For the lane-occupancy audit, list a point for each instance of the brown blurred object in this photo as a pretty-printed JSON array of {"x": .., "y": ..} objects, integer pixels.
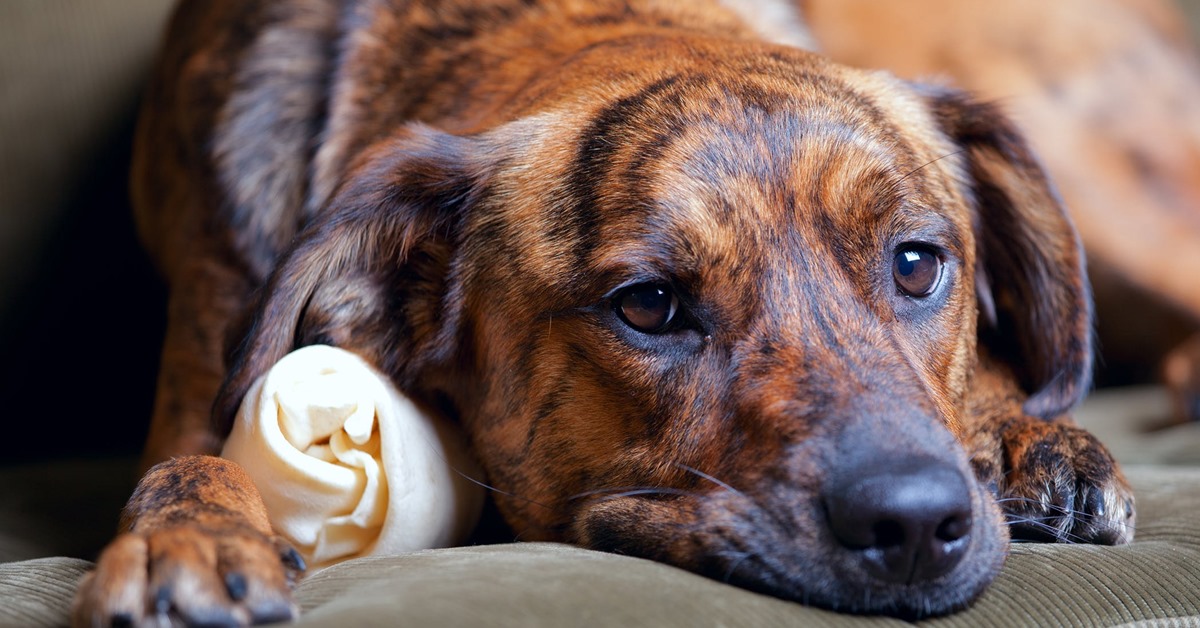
[
  {"x": 1181, "y": 371},
  {"x": 1109, "y": 93}
]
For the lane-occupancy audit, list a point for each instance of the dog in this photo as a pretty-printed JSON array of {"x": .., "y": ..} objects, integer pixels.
[{"x": 693, "y": 292}]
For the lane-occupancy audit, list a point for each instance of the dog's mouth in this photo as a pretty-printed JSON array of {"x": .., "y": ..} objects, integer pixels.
[{"x": 918, "y": 540}]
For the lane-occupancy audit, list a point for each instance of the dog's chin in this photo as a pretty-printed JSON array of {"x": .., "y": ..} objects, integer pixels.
[{"x": 758, "y": 550}]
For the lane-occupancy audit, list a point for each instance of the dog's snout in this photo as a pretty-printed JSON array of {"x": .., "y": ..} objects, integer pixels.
[{"x": 903, "y": 523}]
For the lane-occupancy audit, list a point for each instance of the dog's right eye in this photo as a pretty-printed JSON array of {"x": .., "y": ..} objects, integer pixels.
[
  {"x": 916, "y": 271},
  {"x": 648, "y": 307}
]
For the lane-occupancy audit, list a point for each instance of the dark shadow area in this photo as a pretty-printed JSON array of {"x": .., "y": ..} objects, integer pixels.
[
  {"x": 1134, "y": 330},
  {"x": 80, "y": 345}
]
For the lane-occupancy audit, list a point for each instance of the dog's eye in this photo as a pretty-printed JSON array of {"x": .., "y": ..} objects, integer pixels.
[
  {"x": 917, "y": 271},
  {"x": 648, "y": 307}
]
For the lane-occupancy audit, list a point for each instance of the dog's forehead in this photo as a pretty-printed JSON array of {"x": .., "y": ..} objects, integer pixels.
[
  {"x": 795, "y": 174},
  {"x": 694, "y": 170},
  {"x": 730, "y": 167}
]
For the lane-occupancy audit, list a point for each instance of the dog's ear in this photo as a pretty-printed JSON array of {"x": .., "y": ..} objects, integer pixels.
[
  {"x": 369, "y": 273},
  {"x": 1031, "y": 280}
]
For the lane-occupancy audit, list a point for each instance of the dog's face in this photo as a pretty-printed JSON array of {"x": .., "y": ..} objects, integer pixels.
[{"x": 724, "y": 316}]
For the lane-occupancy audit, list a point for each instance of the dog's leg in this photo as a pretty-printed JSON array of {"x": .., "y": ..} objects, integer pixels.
[
  {"x": 207, "y": 295},
  {"x": 197, "y": 546},
  {"x": 1053, "y": 479},
  {"x": 196, "y": 542}
]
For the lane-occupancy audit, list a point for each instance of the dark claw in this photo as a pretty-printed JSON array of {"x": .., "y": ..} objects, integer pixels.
[
  {"x": 272, "y": 612},
  {"x": 162, "y": 600},
  {"x": 293, "y": 560},
  {"x": 235, "y": 583},
  {"x": 211, "y": 618},
  {"x": 1093, "y": 503}
]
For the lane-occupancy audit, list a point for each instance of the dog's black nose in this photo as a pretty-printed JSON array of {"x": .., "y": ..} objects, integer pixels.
[{"x": 906, "y": 523}]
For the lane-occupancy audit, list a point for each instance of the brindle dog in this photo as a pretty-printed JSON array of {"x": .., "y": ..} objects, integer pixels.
[{"x": 693, "y": 294}]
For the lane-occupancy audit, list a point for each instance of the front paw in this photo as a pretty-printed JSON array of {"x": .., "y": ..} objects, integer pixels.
[
  {"x": 1062, "y": 485},
  {"x": 197, "y": 575}
]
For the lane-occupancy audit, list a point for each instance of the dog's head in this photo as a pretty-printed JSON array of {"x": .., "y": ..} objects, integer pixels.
[{"x": 723, "y": 312}]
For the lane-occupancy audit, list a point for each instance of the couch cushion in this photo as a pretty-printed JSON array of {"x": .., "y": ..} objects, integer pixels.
[
  {"x": 538, "y": 584},
  {"x": 551, "y": 585},
  {"x": 38, "y": 592}
]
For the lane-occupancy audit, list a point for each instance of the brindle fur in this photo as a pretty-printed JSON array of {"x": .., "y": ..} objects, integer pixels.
[{"x": 454, "y": 190}]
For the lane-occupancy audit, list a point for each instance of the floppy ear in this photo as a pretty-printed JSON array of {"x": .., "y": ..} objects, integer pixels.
[
  {"x": 1031, "y": 280},
  {"x": 369, "y": 273}
]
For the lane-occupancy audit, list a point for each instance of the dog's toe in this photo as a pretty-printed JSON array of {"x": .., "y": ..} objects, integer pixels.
[
  {"x": 258, "y": 578},
  {"x": 191, "y": 575},
  {"x": 1062, "y": 485},
  {"x": 114, "y": 593}
]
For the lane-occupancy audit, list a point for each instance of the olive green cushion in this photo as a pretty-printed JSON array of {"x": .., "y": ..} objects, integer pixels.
[
  {"x": 534, "y": 584},
  {"x": 552, "y": 585}
]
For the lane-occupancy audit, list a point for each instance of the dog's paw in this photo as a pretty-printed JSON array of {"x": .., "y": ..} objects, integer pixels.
[
  {"x": 190, "y": 574},
  {"x": 1062, "y": 485}
]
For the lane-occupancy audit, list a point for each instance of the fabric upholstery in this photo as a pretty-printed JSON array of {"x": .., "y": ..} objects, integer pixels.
[{"x": 1156, "y": 579}]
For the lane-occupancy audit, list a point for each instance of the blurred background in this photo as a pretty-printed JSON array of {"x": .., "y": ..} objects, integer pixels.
[{"x": 81, "y": 310}]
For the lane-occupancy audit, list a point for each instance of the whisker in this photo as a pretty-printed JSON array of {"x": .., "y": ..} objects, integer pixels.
[
  {"x": 895, "y": 186},
  {"x": 1062, "y": 510},
  {"x": 770, "y": 514},
  {"x": 931, "y": 162},
  {"x": 633, "y": 490},
  {"x": 502, "y": 492},
  {"x": 742, "y": 556},
  {"x": 646, "y": 491},
  {"x": 437, "y": 452},
  {"x": 1057, "y": 533},
  {"x": 1015, "y": 498},
  {"x": 710, "y": 478}
]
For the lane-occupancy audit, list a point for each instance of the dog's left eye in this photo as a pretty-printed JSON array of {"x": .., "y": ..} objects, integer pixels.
[
  {"x": 648, "y": 307},
  {"x": 916, "y": 271}
]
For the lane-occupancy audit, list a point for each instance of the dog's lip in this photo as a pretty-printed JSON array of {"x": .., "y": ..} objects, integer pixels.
[
  {"x": 937, "y": 596},
  {"x": 787, "y": 572}
]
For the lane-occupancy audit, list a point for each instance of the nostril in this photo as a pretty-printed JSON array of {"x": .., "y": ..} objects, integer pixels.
[{"x": 954, "y": 527}]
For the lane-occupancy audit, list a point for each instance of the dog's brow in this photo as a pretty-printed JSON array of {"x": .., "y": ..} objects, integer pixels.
[
  {"x": 930, "y": 163},
  {"x": 920, "y": 223}
]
